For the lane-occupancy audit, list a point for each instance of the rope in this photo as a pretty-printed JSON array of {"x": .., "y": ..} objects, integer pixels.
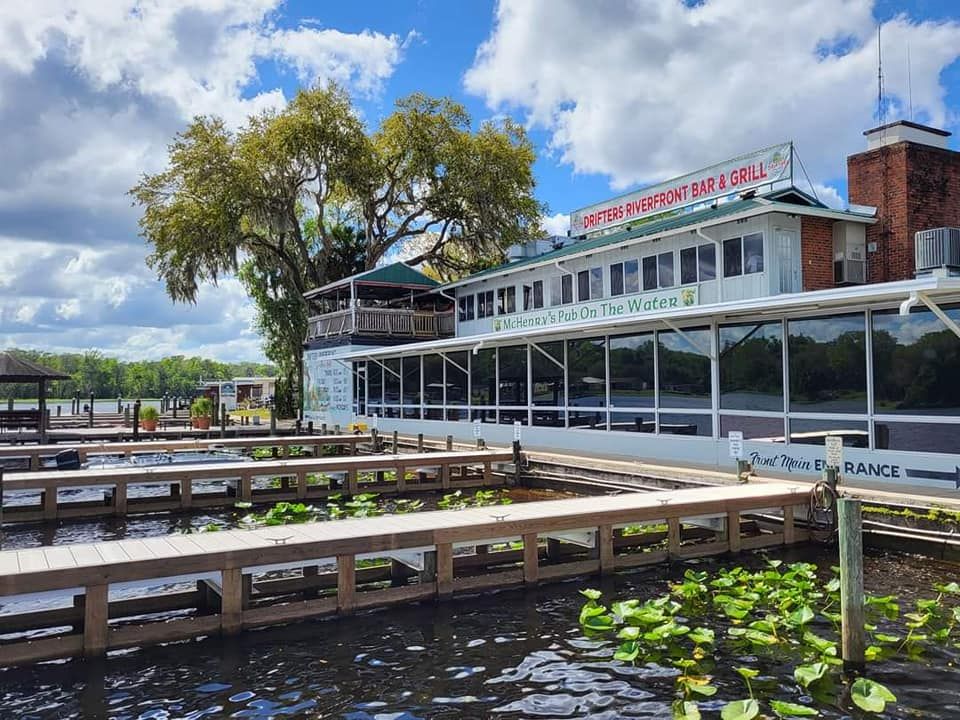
[{"x": 823, "y": 512}]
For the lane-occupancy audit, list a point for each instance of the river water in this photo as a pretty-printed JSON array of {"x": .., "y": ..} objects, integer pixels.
[{"x": 516, "y": 654}]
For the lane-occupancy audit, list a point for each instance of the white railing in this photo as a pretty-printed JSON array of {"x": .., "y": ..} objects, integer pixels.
[{"x": 382, "y": 321}]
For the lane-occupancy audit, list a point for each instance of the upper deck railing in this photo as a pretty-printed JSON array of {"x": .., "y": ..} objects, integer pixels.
[{"x": 388, "y": 322}]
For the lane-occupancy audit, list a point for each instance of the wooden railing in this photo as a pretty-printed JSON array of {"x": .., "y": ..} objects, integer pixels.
[{"x": 382, "y": 321}]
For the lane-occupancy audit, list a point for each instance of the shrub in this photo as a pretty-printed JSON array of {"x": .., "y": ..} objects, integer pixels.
[
  {"x": 201, "y": 407},
  {"x": 149, "y": 413}
]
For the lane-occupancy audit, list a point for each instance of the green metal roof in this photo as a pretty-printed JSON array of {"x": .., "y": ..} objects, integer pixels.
[
  {"x": 398, "y": 273},
  {"x": 776, "y": 201}
]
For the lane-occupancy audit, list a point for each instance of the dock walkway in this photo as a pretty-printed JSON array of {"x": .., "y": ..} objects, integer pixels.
[{"x": 225, "y": 564}]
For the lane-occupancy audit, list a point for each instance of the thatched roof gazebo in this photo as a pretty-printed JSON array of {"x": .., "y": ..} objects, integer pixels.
[{"x": 15, "y": 369}]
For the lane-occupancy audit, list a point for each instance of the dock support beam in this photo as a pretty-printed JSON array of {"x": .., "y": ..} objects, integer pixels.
[
  {"x": 853, "y": 633},
  {"x": 346, "y": 584},
  {"x": 95, "y": 621},
  {"x": 733, "y": 530},
  {"x": 531, "y": 560},
  {"x": 231, "y": 601},
  {"x": 444, "y": 570},
  {"x": 605, "y": 544}
]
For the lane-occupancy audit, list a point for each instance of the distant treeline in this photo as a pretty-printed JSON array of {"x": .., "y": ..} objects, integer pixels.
[{"x": 106, "y": 377}]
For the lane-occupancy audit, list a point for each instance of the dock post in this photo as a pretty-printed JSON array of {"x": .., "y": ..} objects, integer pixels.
[
  {"x": 10, "y": 404},
  {"x": 119, "y": 405},
  {"x": 733, "y": 530},
  {"x": 346, "y": 584},
  {"x": 673, "y": 536},
  {"x": 396, "y": 444},
  {"x": 126, "y": 416},
  {"x": 95, "y": 611},
  {"x": 444, "y": 570},
  {"x": 516, "y": 462},
  {"x": 59, "y": 409},
  {"x": 605, "y": 543},
  {"x": 374, "y": 441},
  {"x": 77, "y": 399},
  {"x": 223, "y": 420},
  {"x": 176, "y": 401},
  {"x": 273, "y": 421},
  {"x": 310, "y": 428},
  {"x": 851, "y": 584},
  {"x": 1, "y": 508},
  {"x": 296, "y": 427},
  {"x": 419, "y": 442},
  {"x": 531, "y": 560},
  {"x": 231, "y": 601},
  {"x": 136, "y": 421},
  {"x": 449, "y": 443},
  {"x": 90, "y": 416}
]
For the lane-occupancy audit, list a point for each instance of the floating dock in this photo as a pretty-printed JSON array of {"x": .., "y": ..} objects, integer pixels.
[{"x": 241, "y": 579}]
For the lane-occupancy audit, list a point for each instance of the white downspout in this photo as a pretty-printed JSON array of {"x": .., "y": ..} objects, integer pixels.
[{"x": 718, "y": 263}]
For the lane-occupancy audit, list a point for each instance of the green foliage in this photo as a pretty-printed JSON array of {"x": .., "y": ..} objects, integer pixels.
[
  {"x": 481, "y": 498},
  {"x": 201, "y": 407},
  {"x": 740, "y": 710},
  {"x": 784, "y": 709},
  {"x": 870, "y": 695},
  {"x": 149, "y": 412}
]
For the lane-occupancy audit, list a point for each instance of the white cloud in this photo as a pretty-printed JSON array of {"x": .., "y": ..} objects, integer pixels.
[
  {"x": 830, "y": 196},
  {"x": 643, "y": 90},
  {"x": 557, "y": 224}
]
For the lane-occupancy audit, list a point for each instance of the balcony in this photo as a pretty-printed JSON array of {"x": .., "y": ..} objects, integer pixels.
[{"x": 382, "y": 322}]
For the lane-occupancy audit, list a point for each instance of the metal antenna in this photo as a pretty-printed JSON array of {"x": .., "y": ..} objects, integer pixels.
[
  {"x": 909, "y": 83},
  {"x": 879, "y": 78}
]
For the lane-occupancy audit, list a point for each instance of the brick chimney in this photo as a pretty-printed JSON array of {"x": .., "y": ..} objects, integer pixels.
[{"x": 913, "y": 179}]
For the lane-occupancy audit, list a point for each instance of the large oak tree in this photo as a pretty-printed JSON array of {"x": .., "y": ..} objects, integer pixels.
[{"x": 295, "y": 194}]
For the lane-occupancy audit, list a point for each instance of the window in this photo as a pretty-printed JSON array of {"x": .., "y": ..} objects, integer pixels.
[
  {"x": 533, "y": 295},
  {"x": 391, "y": 381},
  {"x": 665, "y": 269},
  {"x": 684, "y": 367},
  {"x": 751, "y": 367},
  {"x": 828, "y": 364},
  {"x": 917, "y": 437},
  {"x": 561, "y": 290},
  {"x": 583, "y": 285},
  {"x": 374, "y": 383},
  {"x": 506, "y": 300},
  {"x": 632, "y": 422},
  {"x": 587, "y": 372},
  {"x": 513, "y": 375},
  {"x": 631, "y": 276},
  {"x": 596, "y": 283},
  {"x": 546, "y": 367},
  {"x": 616, "y": 279},
  {"x": 483, "y": 377},
  {"x": 433, "y": 380},
  {"x": 769, "y": 429},
  {"x": 743, "y": 256},
  {"x": 916, "y": 363},
  {"x": 698, "y": 264},
  {"x": 411, "y": 380},
  {"x": 485, "y": 304},
  {"x": 456, "y": 382},
  {"x": 688, "y": 424},
  {"x": 631, "y": 371},
  {"x": 814, "y": 432},
  {"x": 466, "y": 305},
  {"x": 650, "y": 272}
]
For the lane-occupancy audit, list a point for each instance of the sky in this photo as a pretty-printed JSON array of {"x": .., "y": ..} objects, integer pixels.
[{"x": 616, "y": 94}]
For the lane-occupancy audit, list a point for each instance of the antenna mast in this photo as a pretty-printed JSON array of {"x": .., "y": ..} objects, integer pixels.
[
  {"x": 879, "y": 78},
  {"x": 909, "y": 83}
]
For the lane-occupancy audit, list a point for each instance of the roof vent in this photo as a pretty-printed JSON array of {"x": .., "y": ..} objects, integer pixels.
[{"x": 937, "y": 251}]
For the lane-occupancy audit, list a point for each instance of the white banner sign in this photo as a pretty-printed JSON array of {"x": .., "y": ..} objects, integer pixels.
[
  {"x": 762, "y": 167},
  {"x": 627, "y": 305}
]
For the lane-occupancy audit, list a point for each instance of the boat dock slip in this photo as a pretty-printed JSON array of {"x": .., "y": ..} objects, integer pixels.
[
  {"x": 430, "y": 553},
  {"x": 33, "y": 455},
  {"x": 299, "y": 478}
]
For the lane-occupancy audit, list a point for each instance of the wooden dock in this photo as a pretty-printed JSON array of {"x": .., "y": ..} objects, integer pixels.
[
  {"x": 451, "y": 552},
  {"x": 237, "y": 482},
  {"x": 33, "y": 455}
]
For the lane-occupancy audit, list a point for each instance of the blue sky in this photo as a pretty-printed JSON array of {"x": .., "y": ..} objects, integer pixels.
[{"x": 614, "y": 93}]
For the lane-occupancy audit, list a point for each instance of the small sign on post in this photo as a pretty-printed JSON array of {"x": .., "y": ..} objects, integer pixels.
[
  {"x": 375, "y": 421},
  {"x": 476, "y": 428},
  {"x": 736, "y": 444},
  {"x": 834, "y": 445},
  {"x": 516, "y": 430}
]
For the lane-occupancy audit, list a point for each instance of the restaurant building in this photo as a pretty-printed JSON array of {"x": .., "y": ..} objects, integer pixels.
[{"x": 726, "y": 300}]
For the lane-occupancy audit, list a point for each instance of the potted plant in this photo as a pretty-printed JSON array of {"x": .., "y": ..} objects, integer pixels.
[
  {"x": 148, "y": 418},
  {"x": 200, "y": 413}
]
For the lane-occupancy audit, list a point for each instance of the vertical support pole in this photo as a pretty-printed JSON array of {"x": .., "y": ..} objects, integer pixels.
[
  {"x": 95, "y": 611},
  {"x": 673, "y": 536},
  {"x": 346, "y": 584},
  {"x": 789, "y": 536},
  {"x": 10, "y": 404},
  {"x": 90, "y": 415},
  {"x": 246, "y": 487},
  {"x": 444, "y": 570},
  {"x": 449, "y": 443},
  {"x": 176, "y": 402},
  {"x": 273, "y": 421},
  {"x": 136, "y": 421},
  {"x": 605, "y": 544},
  {"x": 186, "y": 493},
  {"x": 419, "y": 442},
  {"x": 531, "y": 560},
  {"x": 120, "y": 499},
  {"x": 42, "y": 407},
  {"x": 310, "y": 428},
  {"x": 301, "y": 485},
  {"x": 1, "y": 508},
  {"x": 445, "y": 476},
  {"x": 516, "y": 462},
  {"x": 49, "y": 495},
  {"x": 851, "y": 584},
  {"x": 352, "y": 486},
  {"x": 733, "y": 530},
  {"x": 59, "y": 410},
  {"x": 231, "y": 601},
  {"x": 374, "y": 441},
  {"x": 119, "y": 405},
  {"x": 396, "y": 442},
  {"x": 223, "y": 420},
  {"x": 401, "y": 474}
]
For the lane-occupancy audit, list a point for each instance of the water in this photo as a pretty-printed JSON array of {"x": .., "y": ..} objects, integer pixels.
[{"x": 509, "y": 655}]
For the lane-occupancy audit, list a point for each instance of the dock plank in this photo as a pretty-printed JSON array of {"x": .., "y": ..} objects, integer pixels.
[
  {"x": 59, "y": 557},
  {"x": 32, "y": 560}
]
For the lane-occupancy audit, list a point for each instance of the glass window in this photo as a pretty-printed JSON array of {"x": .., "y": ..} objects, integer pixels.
[
  {"x": 483, "y": 377},
  {"x": 556, "y": 296},
  {"x": 828, "y": 367},
  {"x": 465, "y": 303},
  {"x": 485, "y": 304},
  {"x": 391, "y": 381},
  {"x": 631, "y": 276},
  {"x": 688, "y": 265},
  {"x": 650, "y": 272},
  {"x": 587, "y": 419},
  {"x": 917, "y": 437},
  {"x": 583, "y": 286},
  {"x": 751, "y": 366},
  {"x": 374, "y": 383},
  {"x": 547, "y": 374},
  {"x": 411, "y": 413},
  {"x": 665, "y": 269},
  {"x": 753, "y": 253},
  {"x": 587, "y": 372},
  {"x": 707, "y": 262},
  {"x": 506, "y": 300},
  {"x": 411, "y": 380},
  {"x": 538, "y": 293},
  {"x": 360, "y": 388},
  {"x": 687, "y": 424},
  {"x": 916, "y": 363},
  {"x": 732, "y": 257},
  {"x": 509, "y": 417},
  {"x": 549, "y": 418},
  {"x": 457, "y": 378},
  {"x": 632, "y": 422},
  {"x": 753, "y": 428},
  {"x": 513, "y": 375},
  {"x": 432, "y": 380},
  {"x": 616, "y": 279},
  {"x": 596, "y": 283},
  {"x": 814, "y": 432},
  {"x": 631, "y": 370},
  {"x": 684, "y": 365}
]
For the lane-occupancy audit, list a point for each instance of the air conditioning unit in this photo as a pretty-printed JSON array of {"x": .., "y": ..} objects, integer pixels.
[
  {"x": 937, "y": 251},
  {"x": 849, "y": 253}
]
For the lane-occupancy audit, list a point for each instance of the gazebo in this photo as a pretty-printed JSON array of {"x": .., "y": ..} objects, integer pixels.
[{"x": 14, "y": 369}]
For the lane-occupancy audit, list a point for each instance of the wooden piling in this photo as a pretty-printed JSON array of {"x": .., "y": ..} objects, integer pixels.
[
  {"x": 231, "y": 601},
  {"x": 346, "y": 584},
  {"x": 273, "y": 421},
  {"x": 419, "y": 442},
  {"x": 90, "y": 416},
  {"x": 223, "y": 420},
  {"x": 449, "y": 443},
  {"x": 853, "y": 632},
  {"x": 136, "y": 421},
  {"x": 95, "y": 611},
  {"x": 396, "y": 442},
  {"x": 531, "y": 560}
]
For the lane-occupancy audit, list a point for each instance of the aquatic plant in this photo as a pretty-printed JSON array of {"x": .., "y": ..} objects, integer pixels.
[
  {"x": 777, "y": 613},
  {"x": 481, "y": 498}
]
